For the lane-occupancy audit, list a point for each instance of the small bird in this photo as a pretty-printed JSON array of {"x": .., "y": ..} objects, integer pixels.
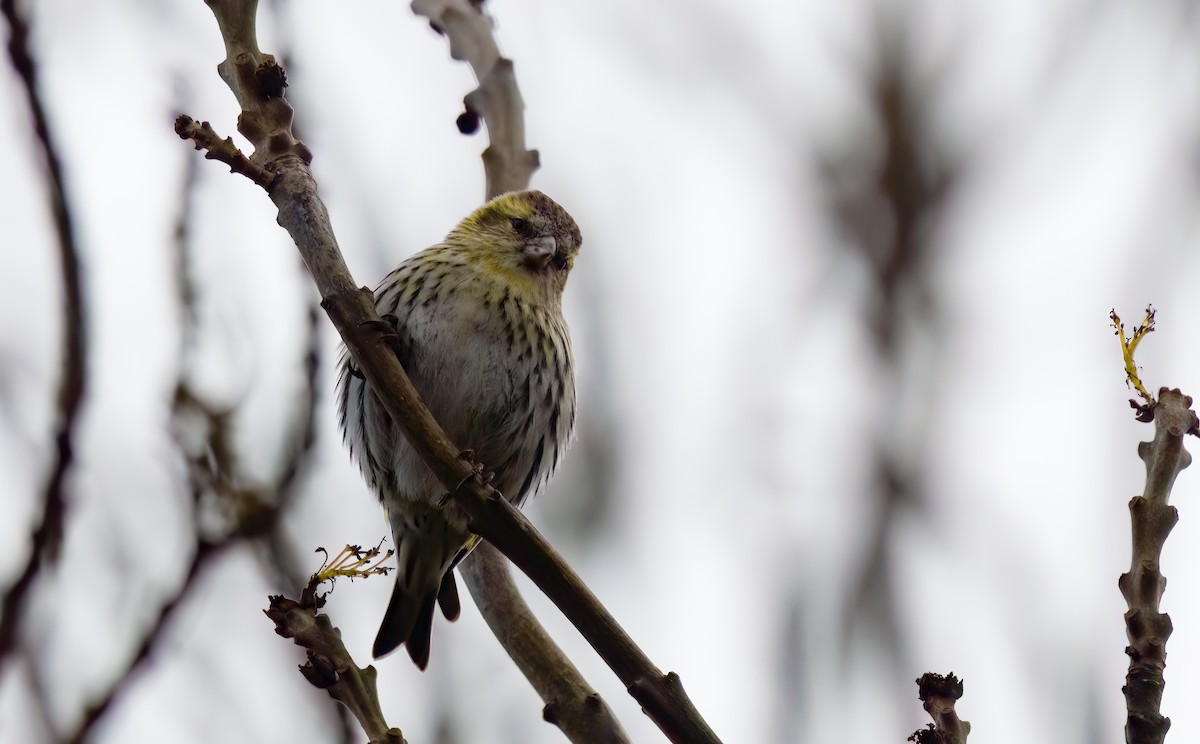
[{"x": 482, "y": 336}]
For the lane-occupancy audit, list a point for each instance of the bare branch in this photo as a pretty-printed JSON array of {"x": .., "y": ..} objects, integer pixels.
[
  {"x": 1153, "y": 518},
  {"x": 507, "y": 164},
  {"x": 265, "y": 121}
]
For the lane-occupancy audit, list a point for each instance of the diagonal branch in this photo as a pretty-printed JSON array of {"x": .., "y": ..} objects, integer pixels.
[{"x": 257, "y": 82}]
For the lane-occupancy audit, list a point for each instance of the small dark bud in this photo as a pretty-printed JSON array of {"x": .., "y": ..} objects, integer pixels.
[
  {"x": 468, "y": 122},
  {"x": 437, "y": 28},
  {"x": 271, "y": 79}
]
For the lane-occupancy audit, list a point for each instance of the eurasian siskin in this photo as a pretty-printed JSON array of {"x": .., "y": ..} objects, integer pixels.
[{"x": 482, "y": 336}]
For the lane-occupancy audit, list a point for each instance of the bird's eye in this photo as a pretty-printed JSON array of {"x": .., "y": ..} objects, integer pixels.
[{"x": 520, "y": 226}]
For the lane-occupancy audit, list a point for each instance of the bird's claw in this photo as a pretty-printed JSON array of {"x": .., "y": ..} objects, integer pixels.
[
  {"x": 388, "y": 329},
  {"x": 385, "y": 329}
]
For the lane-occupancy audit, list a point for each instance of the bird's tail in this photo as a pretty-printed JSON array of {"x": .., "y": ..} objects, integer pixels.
[{"x": 427, "y": 547}]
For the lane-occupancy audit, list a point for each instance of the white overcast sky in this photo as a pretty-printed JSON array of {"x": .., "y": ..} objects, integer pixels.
[{"x": 714, "y": 304}]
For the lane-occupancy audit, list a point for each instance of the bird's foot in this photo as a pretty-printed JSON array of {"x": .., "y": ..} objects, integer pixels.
[
  {"x": 388, "y": 330},
  {"x": 477, "y": 469}
]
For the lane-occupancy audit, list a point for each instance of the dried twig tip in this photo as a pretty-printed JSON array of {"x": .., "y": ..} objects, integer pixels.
[
  {"x": 1129, "y": 346},
  {"x": 939, "y": 693},
  {"x": 355, "y": 563}
]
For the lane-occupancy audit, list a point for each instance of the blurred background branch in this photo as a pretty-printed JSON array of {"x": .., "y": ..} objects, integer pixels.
[
  {"x": 46, "y": 541},
  {"x": 887, "y": 192}
]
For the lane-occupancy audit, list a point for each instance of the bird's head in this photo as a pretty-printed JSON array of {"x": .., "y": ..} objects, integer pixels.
[{"x": 524, "y": 238}]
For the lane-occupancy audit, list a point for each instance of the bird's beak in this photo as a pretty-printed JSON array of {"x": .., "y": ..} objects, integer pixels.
[{"x": 539, "y": 251}]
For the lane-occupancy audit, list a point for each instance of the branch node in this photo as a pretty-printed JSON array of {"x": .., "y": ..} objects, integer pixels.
[{"x": 319, "y": 671}]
